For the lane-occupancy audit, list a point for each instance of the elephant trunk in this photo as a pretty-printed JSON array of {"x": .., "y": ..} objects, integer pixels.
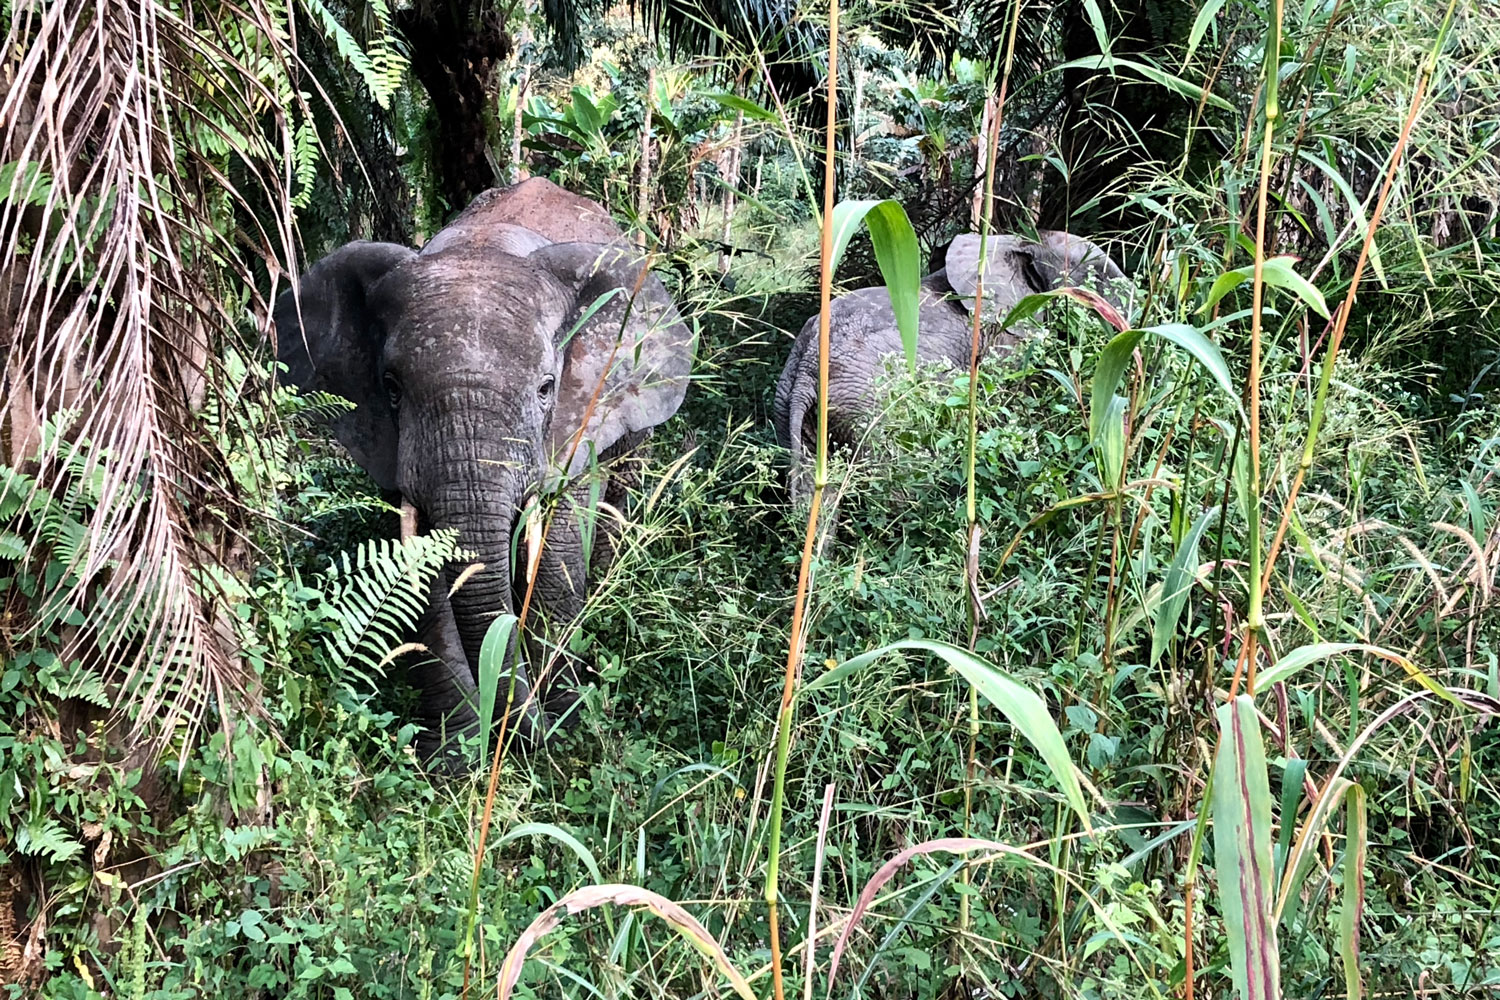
[{"x": 484, "y": 515}]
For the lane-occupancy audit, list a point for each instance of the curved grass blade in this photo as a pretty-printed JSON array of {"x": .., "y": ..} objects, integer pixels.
[
  {"x": 1019, "y": 704},
  {"x": 656, "y": 789},
  {"x": 1303, "y": 656},
  {"x": 560, "y": 835},
  {"x": 592, "y": 896},
  {"x": 958, "y": 845},
  {"x": 896, "y": 252}
]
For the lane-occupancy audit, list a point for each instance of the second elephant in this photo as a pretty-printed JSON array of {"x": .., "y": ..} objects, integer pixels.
[{"x": 863, "y": 331}]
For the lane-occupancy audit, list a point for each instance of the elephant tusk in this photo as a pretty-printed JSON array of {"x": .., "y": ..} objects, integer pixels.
[
  {"x": 533, "y": 539},
  {"x": 408, "y": 519}
]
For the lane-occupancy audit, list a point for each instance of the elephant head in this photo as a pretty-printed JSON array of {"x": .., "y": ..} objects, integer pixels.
[
  {"x": 1016, "y": 267},
  {"x": 863, "y": 330},
  {"x": 494, "y": 357}
]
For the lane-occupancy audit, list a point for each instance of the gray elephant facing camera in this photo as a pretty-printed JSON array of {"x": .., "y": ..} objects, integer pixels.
[
  {"x": 863, "y": 331},
  {"x": 472, "y": 366}
]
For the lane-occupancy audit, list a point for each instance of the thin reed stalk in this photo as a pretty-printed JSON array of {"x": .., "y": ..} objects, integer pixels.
[
  {"x": 994, "y": 117},
  {"x": 797, "y": 641},
  {"x": 1341, "y": 318},
  {"x": 1255, "y": 618}
]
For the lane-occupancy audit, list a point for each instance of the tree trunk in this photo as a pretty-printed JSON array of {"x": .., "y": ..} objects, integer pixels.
[
  {"x": 731, "y": 181},
  {"x": 456, "y": 45}
]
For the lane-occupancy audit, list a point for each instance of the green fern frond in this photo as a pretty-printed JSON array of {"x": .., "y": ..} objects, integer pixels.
[
  {"x": 46, "y": 838},
  {"x": 383, "y": 67},
  {"x": 378, "y": 595}
]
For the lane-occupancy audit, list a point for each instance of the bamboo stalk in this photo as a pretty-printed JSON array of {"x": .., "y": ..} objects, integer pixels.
[{"x": 796, "y": 642}]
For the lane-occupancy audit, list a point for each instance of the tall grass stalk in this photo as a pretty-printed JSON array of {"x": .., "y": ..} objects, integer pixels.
[
  {"x": 796, "y": 641},
  {"x": 971, "y": 508},
  {"x": 1341, "y": 318},
  {"x": 1255, "y": 616}
]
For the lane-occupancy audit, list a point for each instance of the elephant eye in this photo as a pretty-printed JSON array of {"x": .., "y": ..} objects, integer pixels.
[
  {"x": 392, "y": 388},
  {"x": 544, "y": 391}
]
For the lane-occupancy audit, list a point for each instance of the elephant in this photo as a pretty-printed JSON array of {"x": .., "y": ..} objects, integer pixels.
[
  {"x": 863, "y": 331},
  {"x": 525, "y": 346}
]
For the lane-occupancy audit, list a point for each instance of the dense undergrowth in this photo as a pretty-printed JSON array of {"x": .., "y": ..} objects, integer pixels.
[
  {"x": 315, "y": 859},
  {"x": 294, "y": 847}
]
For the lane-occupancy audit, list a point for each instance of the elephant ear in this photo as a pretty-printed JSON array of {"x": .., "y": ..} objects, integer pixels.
[
  {"x": 621, "y": 337},
  {"x": 1005, "y": 278},
  {"x": 328, "y": 340},
  {"x": 1015, "y": 268}
]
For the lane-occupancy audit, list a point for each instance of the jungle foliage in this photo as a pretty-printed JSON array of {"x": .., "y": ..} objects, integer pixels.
[{"x": 1063, "y": 775}]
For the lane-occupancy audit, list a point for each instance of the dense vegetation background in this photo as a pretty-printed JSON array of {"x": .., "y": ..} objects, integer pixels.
[{"x": 207, "y": 784}]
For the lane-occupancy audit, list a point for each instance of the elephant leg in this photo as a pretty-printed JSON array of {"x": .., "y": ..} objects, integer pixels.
[{"x": 448, "y": 694}]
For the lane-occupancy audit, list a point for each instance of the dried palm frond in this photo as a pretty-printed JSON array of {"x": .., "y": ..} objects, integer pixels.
[{"x": 125, "y": 271}]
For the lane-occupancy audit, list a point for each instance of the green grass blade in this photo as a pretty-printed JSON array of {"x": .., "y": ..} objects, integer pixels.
[
  {"x": 1025, "y": 710},
  {"x": 1291, "y": 800},
  {"x": 560, "y": 835},
  {"x": 1289, "y": 664},
  {"x": 491, "y": 666},
  {"x": 1356, "y": 836},
  {"x": 1242, "y": 852},
  {"x": 1178, "y": 584}
]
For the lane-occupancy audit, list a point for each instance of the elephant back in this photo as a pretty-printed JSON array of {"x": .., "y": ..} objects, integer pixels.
[{"x": 536, "y": 204}]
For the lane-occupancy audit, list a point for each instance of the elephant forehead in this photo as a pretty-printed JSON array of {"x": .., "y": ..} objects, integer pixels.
[{"x": 461, "y": 303}]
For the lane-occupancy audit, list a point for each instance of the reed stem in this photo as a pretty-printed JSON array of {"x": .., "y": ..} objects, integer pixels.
[{"x": 796, "y": 643}]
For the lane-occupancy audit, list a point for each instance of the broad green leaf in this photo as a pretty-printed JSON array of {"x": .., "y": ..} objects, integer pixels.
[
  {"x": 491, "y": 666},
  {"x": 1242, "y": 852},
  {"x": 1025, "y": 710},
  {"x": 560, "y": 835},
  {"x": 896, "y": 252},
  {"x": 1277, "y": 272},
  {"x": 736, "y": 103},
  {"x": 1290, "y": 663},
  {"x": 1109, "y": 444},
  {"x": 1176, "y": 84},
  {"x": 1356, "y": 835},
  {"x": 1115, "y": 358},
  {"x": 1177, "y": 584},
  {"x": 586, "y": 112}
]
